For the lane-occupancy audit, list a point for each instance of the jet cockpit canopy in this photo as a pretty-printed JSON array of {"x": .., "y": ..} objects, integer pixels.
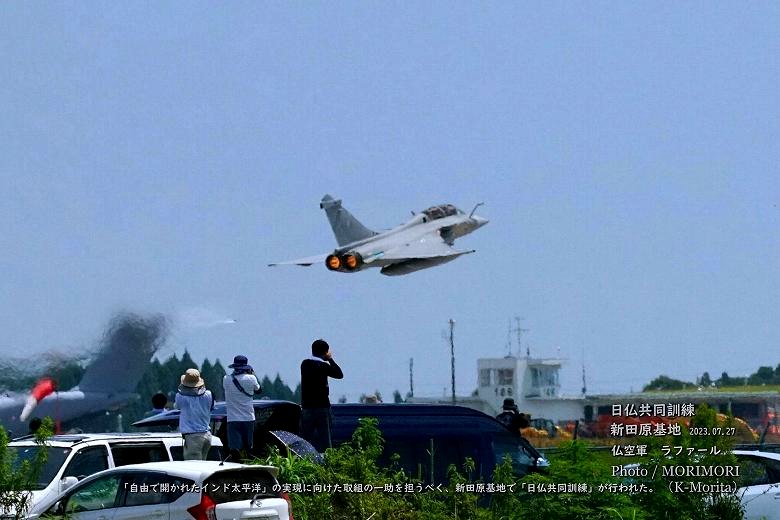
[{"x": 441, "y": 211}]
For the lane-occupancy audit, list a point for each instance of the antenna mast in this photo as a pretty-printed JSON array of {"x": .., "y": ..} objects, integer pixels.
[
  {"x": 509, "y": 339},
  {"x": 452, "y": 357},
  {"x": 411, "y": 377},
  {"x": 519, "y": 330}
]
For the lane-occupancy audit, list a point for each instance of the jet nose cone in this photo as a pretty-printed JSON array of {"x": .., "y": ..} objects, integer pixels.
[{"x": 480, "y": 221}]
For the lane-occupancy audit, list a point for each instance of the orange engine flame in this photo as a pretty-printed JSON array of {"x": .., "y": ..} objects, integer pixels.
[
  {"x": 333, "y": 262},
  {"x": 351, "y": 261}
]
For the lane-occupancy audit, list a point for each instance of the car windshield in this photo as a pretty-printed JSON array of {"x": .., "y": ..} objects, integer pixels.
[
  {"x": 522, "y": 460},
  {"x": 55, "y": 457}
]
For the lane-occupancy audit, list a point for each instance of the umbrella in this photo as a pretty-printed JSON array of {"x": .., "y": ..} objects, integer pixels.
[{"x": 298, "y": 445}]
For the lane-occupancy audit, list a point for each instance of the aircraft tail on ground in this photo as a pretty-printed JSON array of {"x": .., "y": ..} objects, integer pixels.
[
  {"x": 346, "y": 227},
  {"x": 127, "y": 349}
]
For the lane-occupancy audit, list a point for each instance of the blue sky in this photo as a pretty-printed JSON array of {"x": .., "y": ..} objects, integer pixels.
[{"x": 157, "y": 156}]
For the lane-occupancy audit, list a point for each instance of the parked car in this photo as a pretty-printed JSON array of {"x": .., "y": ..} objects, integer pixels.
[
  {"x": 199, "y": 490},
  {"x": 428, "y": 438},
  {"x": 73, "y": 457},
  {"x": 759, "y": 473},
  {"x": 271, "y": 419},
  {"x": 270, "y": 416}
]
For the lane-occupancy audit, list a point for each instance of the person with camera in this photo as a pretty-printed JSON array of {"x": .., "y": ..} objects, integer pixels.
[
  {"x": 315, "y": 403},
  {"x": 240, "y": 388},
  {"x": 195, "y": 403}
]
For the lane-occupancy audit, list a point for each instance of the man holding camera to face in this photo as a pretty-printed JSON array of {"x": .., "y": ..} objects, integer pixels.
[
  {"x": 315, "y": 403},
  {"x": 240, "y": 388}
]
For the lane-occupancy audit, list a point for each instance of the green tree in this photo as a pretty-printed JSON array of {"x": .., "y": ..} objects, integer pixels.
[
  {"x": 207, "y": 373},
  {"x": 281, "y": 390},
  {"x": 267, "y": 386},
  {"x": 186, "y": 362},
  {"x": 219, "y": 373},
  {"x": 170, "y": 372},
  {"x": 18, "y": 477},
  {"x": 762, "y": 376},
  {"x": 666, "y": 383}
]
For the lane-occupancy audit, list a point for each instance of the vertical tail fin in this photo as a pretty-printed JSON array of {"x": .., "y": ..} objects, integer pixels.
[
  {"x": 346, "y": 227},
  {"x": 127, "y": 349}
]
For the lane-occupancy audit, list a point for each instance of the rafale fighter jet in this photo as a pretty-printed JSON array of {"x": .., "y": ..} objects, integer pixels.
[{"x": 424, "y": 241}]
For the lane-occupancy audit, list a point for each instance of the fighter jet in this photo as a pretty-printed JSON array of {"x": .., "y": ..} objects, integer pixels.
[{"x": 423, "y": 241}]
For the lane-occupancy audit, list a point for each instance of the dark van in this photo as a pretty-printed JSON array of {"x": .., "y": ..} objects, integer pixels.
[
  {"x": 413, "y": 431},
  {"x": 451, "y": 433}
]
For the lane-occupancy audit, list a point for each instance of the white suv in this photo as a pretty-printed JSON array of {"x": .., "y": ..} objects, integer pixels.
[
  {"x": 72, "y": 457},
  {"x": 199, "y": 490}
]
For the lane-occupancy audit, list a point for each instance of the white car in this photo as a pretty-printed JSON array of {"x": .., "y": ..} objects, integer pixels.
[
  {"x": 759, "y": 473},
  {"x": 72, "y": 457},
  {"x": 192, "y": 489}
]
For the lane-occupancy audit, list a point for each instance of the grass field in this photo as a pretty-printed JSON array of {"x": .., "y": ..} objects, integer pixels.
[{"x": 720, "y": 389}]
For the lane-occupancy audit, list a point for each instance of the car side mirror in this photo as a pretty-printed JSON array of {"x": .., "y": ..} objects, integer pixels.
[
  {"x": 67, "y": 483},
  {"x": 541, "y": 462},
  {"x": 57, "y": 510}
]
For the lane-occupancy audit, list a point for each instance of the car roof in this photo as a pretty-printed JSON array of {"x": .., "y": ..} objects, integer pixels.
[
  {"x": 193, "y": 469},
  {"x": 71, "y": 439},
  {"x": 423, "y": 418},
  {"x": 406, "y": 409},
  {"x": 219, "y": 411},
  {"x": 757, "y": 453},
  {"x": 400, "y": 414}
]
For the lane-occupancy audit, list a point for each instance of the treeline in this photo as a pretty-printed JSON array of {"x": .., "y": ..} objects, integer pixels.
[
  {"x": 164, "y": 377},
  {"x": 67, "y": 373},
  {"x": 763, "y": 376}
]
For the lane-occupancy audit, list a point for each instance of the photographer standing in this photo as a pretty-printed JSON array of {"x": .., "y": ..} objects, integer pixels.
[
  {"x": 240, "y": 387},
  {"x": 195, "y": 403},
  {"x": 315, "y": 403}
]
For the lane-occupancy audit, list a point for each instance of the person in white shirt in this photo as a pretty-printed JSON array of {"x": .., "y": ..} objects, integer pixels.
[{"x": 240, "y": 388}]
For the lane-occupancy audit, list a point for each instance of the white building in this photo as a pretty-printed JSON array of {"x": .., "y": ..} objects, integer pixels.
[
  {"x": 532, "y": 382},
  {"x": 534, "y": 385}
]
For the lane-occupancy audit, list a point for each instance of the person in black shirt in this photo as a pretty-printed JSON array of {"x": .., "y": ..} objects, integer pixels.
[
  {"x": 315, "y": 403},
  {"x": 510, "y": 417}
]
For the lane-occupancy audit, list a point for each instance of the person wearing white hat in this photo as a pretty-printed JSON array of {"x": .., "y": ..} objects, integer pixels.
[{"x": 195, "y": 403}]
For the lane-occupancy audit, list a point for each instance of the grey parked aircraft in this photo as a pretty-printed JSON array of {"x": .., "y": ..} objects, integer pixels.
[
  {"x": 109, "y": 381},
  {"x": 424, "y": 241}
]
